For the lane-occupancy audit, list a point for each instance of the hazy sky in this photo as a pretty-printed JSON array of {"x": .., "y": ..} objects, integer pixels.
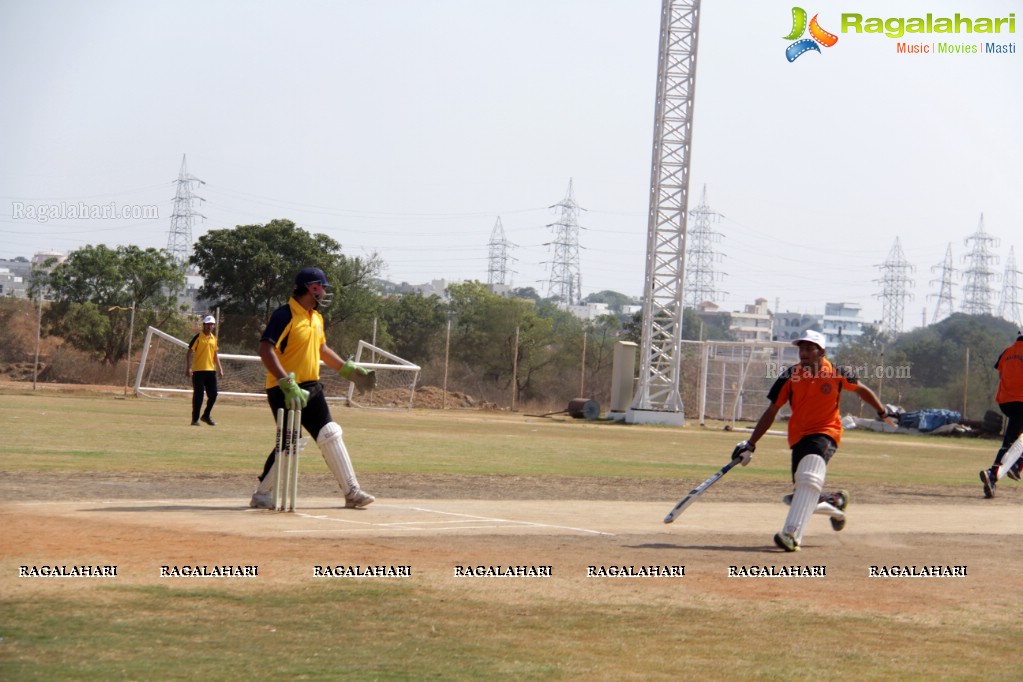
[{"x": 408, "y": 128}]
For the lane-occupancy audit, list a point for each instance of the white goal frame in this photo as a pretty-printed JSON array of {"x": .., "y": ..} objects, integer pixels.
[{"x": 393, "y": 374}]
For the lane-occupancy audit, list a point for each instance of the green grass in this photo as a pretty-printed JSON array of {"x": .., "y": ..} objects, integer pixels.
[
  {"x": 104, "y": 434},
  {"x": 416, "y": 633}
]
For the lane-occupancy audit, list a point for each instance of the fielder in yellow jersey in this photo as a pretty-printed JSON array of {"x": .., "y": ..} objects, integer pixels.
[
  {"x": 291, "y": 348},
  {"x": 202, "y": 365}
]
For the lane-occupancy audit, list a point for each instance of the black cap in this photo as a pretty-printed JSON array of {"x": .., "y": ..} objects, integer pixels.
[{"x": 307, "y": 276}]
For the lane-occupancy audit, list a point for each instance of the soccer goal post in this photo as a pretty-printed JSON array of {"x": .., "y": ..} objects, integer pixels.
[{"x": 162, "y": 372}]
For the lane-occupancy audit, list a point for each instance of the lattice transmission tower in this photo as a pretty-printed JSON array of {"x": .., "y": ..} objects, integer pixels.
[
  {"x": 944, "y": 307},
  {"x": 978, "y": 275},
  {"x": 701, "y": 276},
  {"x": 498, "y": 272},
  {"x": 1008, "y": 304},
  {"x": 658, "y": 397},
  {"x": 895, "y": 283},
  {"x": 183, "y": 213},
  {"x": 565, "y": 282}
]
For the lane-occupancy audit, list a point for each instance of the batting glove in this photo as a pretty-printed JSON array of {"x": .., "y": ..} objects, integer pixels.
[
  {"x": 294, "y": 395},
  {"x": 364, "y": 379},
  {"x": 744, "y": 451}
]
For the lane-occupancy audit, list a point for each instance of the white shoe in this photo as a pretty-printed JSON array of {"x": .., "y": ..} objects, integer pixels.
[
  {"x": 261, "y": 501},
  {"x": 358, "y": 499}
]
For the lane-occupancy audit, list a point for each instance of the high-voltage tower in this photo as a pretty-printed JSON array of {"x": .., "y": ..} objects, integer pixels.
[
  {"x": 1008, "y": 304},
  {"x": 701, "y": 276},
  {"x": 497, "y": 271},
  {"x": 565, "y": 282},
  {"x": 978, "y": 275},
  {"x": 895, "y": 283},
  {"x": 658, "y": 397},
  {"x": 944, "y": 306},
  {"x": 179, "y": 238}
]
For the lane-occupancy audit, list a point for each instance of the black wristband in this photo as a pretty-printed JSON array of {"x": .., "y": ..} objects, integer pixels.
[{"x": 881, "y": 415}]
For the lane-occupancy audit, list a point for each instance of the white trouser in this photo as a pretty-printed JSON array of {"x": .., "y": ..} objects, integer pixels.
[
  {"x": 336, "y": 457},
  {"x": 809, "y": 484}
]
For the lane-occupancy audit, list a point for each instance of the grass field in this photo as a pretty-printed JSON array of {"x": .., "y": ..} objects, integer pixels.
[{"x": 66, "y": 455}]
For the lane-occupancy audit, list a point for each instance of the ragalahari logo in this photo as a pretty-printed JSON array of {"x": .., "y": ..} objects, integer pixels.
[{"x": 817, "y": 35}]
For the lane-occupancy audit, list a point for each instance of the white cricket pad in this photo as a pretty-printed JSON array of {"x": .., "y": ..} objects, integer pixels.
[
  {"x": 809, "y": 484},
  {"x": 1009, "y": 457},
  {"x": 267, "y": 484},
  {"x": 336, "y": 457}
]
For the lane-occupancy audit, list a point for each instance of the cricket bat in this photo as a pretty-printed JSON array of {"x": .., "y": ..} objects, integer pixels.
[{"x": 698, "y": 490}]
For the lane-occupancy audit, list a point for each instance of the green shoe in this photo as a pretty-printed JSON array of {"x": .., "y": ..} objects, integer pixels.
[{"x": 786, "y": 542}]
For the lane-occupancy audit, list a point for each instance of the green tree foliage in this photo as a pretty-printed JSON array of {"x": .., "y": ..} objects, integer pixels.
[
  {"x": 937, "y": 356},
  {"x": 95, "y": 289},
  {"x": 249, "y": 270},
  {"x": 484, "y": 332},
  {"x": 412, "y": 326}
]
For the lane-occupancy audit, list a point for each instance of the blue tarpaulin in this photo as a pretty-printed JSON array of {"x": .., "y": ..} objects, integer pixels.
[{"x": 928, "y": 420}]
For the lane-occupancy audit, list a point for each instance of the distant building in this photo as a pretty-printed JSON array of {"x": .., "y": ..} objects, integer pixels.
[
  {"x": 587, "y": 311},
  {"x": 789, "y": 326},
  {"x": 840, "y": 323},
  {"x": 16, "y": 275},
  {"x": 753, "y": 323},
  {"x": 13, "y": 283}
]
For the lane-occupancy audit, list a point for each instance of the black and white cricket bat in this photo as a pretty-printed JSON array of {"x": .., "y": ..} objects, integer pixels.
[{"x": 698, "y": 490}]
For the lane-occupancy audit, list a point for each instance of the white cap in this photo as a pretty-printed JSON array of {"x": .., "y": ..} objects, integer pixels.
[
  {"x": 813, "y": 337},
  {"x": 209, "y": 319}
]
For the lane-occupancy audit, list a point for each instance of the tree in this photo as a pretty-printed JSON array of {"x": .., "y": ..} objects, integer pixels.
[
  {"x": 937, "y": 356},
  {"x": 484, "y": 338},
  {"x": 412, "y": 326},
  {"x": 250, "y": 270},
  {"x": 94, "y": 287}
]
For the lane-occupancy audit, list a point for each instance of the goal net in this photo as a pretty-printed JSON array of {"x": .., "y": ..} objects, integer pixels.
[
  {"x": 735, "y": 377},
  {"x": 162, "y": 372}
]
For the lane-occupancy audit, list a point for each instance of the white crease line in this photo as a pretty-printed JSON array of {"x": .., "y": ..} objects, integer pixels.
[
  {"x": 526, "y": 523},
  {"x": 466, "y": 518},
  {"x": 434, "y": 529}
]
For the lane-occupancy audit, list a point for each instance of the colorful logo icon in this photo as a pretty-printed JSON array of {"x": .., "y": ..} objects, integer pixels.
[{"x": 818, "y": 36}]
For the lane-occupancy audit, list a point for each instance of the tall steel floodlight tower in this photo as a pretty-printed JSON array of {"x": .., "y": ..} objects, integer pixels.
[
  {"x": 978, "y": 275},
  {"x": 497, "y": 270},
  {"x": 944, "y": 306},
  {"x": 1008, "y": 305},
  {"x": 659, "y": 397},
  {"x": 565, "y": 278},
  {"x": 701, "y": 277},
  {"x": 894, "y": 283},
  {"x": 179, "y": 239}
]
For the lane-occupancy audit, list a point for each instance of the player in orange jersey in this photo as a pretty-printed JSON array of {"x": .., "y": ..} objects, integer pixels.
[
  {"x": 813, "y": 389},
  {"x": 1010, "y": 402}
]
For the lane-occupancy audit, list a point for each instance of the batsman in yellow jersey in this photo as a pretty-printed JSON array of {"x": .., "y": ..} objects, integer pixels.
[{"x": 291, "y": 349}]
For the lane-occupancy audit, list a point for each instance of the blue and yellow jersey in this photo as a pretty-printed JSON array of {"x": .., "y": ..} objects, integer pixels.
[
  {"x": 297, "y": 335},
  {"x": 204, "y": 349}
]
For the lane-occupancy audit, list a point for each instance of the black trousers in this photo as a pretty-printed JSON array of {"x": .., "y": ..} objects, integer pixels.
[
  {"x": 1013, "y": 429},
  {"x": 315, "y": 415},
  {"x": 203, "y": 383},
  {"x": 814, "y": 444}
]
